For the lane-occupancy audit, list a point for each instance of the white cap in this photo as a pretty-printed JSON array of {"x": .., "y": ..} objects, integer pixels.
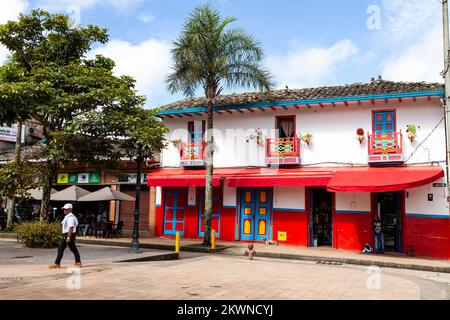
[{"x": 67, "y": 206}]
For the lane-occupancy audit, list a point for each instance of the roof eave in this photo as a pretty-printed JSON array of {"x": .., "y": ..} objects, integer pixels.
[{"x": 429, "y": 93}]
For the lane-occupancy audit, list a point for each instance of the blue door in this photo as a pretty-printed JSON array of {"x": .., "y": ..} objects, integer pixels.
[
  {"x": 175, "y": 202},
  {"x": 255, "y": 214},
  {"x": 215, "y": 218},
  {"x": 384, "y": 122}
]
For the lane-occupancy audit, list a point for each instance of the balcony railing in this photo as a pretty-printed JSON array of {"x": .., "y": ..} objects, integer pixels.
[
  {"x": 283, "y": 151},
  {"x": 385, "y": 148},
  {"x": 193, "y": 154}
]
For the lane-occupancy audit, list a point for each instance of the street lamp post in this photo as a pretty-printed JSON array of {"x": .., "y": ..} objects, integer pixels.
[{"x": 140, "y": 154}]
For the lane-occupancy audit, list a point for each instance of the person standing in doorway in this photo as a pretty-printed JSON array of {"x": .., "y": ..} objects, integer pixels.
[
  {"x": 378, "y": 236},
  {"x": 69, "y": 229}
]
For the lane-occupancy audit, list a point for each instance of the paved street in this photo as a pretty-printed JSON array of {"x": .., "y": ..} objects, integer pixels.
[{"x": 229, "y": 277}]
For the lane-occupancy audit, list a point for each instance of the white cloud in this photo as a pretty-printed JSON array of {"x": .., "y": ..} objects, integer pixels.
[
  {"x": 148, "y": 62},
  {"x": 405, "y": 20},
  {"x": 414, "y": 35},
  {"x": 146, "y": 17},
  {"x": 10, "y": 11},
  {"x": 311, "y": 67},
  {"x": 421, "y": 61}
]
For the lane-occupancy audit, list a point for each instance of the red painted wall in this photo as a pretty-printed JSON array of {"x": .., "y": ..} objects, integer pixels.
[
  {"x": 352, "y": 231},
  {"x": 228, "y": 224},
  {"x": 430, "y": 237},
  {"x": 294, "y": 223}
]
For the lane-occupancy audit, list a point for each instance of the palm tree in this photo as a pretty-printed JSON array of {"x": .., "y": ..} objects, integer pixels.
[{"x": 206, "y": 55}]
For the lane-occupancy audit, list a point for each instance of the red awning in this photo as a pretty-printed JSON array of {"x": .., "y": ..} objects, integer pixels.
[
  {"x": 241, "y": 177},
  {"x": 369, "y": 179},
  {"x": 281, "y": 178},
  {"x": 179, "y": 178},
  {"x": 336, "y": 179}
]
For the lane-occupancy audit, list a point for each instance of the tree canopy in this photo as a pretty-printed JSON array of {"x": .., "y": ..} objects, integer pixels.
[{"x": 50, "y": 79}]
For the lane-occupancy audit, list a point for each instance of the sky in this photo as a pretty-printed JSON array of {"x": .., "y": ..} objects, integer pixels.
[{"x": 307, "y": 43}]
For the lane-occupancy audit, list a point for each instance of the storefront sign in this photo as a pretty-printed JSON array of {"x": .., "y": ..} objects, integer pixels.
[
  {"x": 82, "y": 178},
  {"x": 8, "y": 133},
  {"x": 131, "y": 178},
  {"x": 63, "y": 178}
]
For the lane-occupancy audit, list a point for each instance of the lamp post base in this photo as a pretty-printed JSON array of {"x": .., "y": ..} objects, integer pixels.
[{"x": 134, "y": 247}]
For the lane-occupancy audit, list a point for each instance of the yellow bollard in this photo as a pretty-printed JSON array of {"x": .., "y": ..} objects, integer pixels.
[
  {"x": 177, "y": 243},
  {"x": 213, "y": 239}
]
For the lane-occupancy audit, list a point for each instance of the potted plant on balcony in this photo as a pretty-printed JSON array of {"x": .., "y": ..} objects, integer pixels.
[
  {"x": 360, "y": 134},
  {"x": 305, "y": 138},
  {"x": 257, "y": 136},
  {"x": 177, "y": 143},
  {"x": 412, "y": 131}
]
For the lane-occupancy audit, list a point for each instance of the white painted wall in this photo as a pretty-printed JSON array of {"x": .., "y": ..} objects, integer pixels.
[
  {"x": 289, "y": 198},
  {"x": 353, "y": 201},
  {"x": 334, "y": 134},
  {"x": 192, "y": 195},
  {"x": 158, "y": 196},
  {"x": 229, "y": 197},
  {"x": 417, "y": 200}
]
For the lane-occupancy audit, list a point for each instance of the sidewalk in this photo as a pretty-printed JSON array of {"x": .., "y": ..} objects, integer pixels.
[{"x": 321, "y": 255}]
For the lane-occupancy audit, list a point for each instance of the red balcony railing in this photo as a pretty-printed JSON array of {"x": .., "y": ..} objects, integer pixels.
[
  {"x": 283, "y": 151},
  {"x": 192, "y": 154},
  {"x": 385, "y": 147}
]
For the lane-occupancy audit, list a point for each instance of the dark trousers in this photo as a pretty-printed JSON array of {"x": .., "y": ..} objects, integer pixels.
[{"x": 72, "y": 247}]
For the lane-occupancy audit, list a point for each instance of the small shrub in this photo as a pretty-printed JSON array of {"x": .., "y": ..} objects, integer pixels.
[{"x": 39, "y": 234}]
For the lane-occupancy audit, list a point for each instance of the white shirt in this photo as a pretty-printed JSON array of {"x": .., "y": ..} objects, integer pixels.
[{"x": 69, "y": 221}]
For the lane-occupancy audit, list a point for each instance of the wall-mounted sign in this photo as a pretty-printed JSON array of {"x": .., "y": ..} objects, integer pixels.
[
  {"x": 8, "y": 133},
  {"x": 439, "y": 185},
  {"x": 282, "y": 236},
  {"x": 82, "y": 178}
]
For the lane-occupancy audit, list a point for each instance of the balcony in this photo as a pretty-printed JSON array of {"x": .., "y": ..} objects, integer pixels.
[
  {"x": 193, "y": 154},
  {"x": 283, "y": 151},
  {"x": 385, "y": 148}
]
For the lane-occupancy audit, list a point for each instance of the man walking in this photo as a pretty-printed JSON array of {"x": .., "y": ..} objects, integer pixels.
[{"x": 69, "y": 229}]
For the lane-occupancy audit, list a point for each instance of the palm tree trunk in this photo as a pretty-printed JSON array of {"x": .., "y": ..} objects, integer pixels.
[
  {"x": 209, "y": 158},
  {"x": 49, "y": 176},
  {"x": 10, "y": 219}
]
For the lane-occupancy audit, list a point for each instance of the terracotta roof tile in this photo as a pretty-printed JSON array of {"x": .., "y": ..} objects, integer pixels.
[{"x": 355, "y": 89}]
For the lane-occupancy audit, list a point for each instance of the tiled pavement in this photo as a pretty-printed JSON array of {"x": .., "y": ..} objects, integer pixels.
[
  {"x": 200, "y": 276},
  {"x": 237, "y": 248},
  {"x": 223, "y": 278}
]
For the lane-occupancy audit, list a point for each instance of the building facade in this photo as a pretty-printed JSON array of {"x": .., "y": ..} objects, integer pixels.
[{"x": 312, "y": 167}]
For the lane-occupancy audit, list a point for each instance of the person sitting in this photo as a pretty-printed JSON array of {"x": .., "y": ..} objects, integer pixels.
[{"x": 367, "y": 248}]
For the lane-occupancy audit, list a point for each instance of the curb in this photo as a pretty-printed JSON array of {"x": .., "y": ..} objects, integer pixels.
[
  {"x": 353, "y": 261},
  {"x": 8, "y": 236},
  {"x": 166, "y": 247},
  {"x": 161, "y": 257}
]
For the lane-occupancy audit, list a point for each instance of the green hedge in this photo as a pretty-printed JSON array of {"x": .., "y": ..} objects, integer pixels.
[{"x": 39, "y": 234}]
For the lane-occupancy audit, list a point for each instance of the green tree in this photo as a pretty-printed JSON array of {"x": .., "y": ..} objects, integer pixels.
[
  {"x": 51, "y": 80},
  {"x": 209, "y": 56}
]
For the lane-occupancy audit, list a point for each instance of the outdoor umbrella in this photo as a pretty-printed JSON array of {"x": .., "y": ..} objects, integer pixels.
[
  {"x": 36, "y": 193},
  {"x": 106, "y": 194},
  {"x": 73, "y": 193}
]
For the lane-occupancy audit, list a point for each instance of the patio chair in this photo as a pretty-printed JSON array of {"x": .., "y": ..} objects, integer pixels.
[{"x": 118, "y": 230}]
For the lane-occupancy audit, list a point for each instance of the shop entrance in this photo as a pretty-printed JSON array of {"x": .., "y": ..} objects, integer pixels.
[
  {"x": 388, "y": 207},
  {"x": 255, "y": 214},
  {"x": 320, "y": 218}
]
